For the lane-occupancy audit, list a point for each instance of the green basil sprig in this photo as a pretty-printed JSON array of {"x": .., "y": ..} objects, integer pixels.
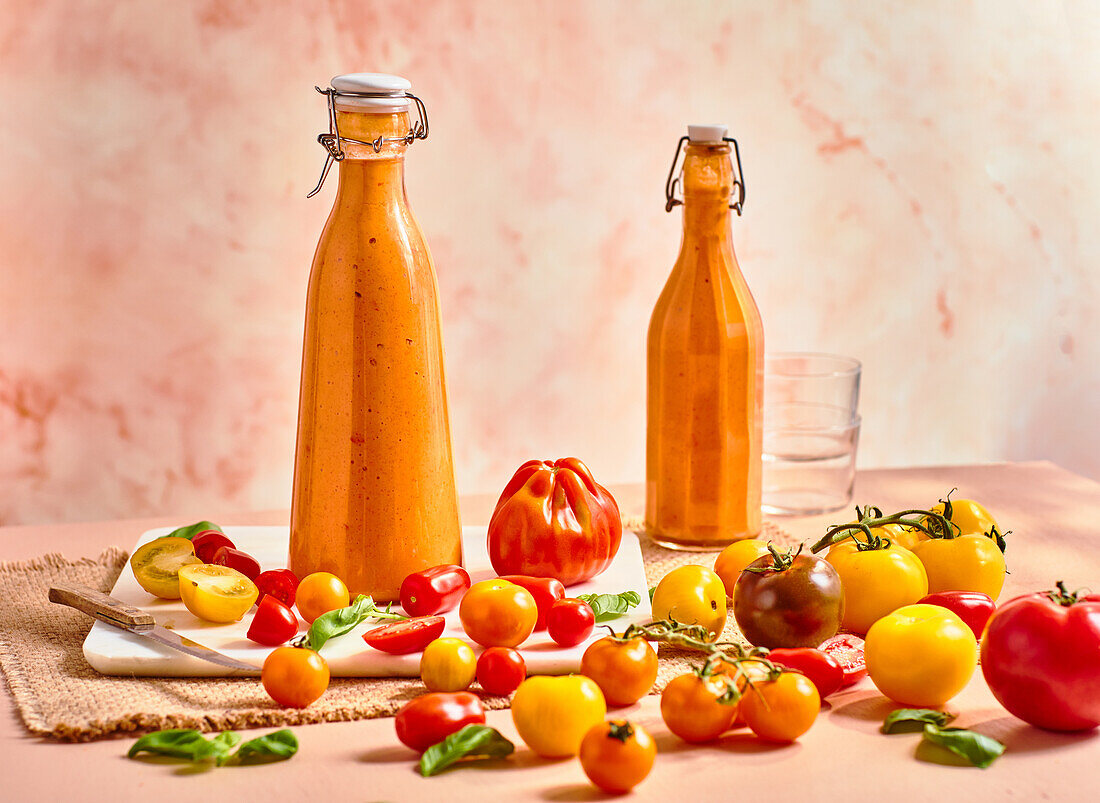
[
  {"x": 912, "y": 720},
  {"x": 275, "y": 746},
  {"x": 473, "y": 741},
  {"x": 977, "y": 748},
  {"x": 191, "y": 530},
  {"x": 337, "y": 623},
  {"x": 193, "y": 746},
  {"x": 611, "y": 606}
]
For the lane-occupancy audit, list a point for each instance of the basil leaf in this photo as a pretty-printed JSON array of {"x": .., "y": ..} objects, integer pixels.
[
  {"x": 911, "y": 720},
  {"x": 337, "y": 623},
  {"x": 176, "y": 742},
  {"x": 217, "y": 748},
  {"x": 276, "y": 746},
  {"x": 611, "y": 606},
  {"x": 192, "y": 530},
  {"x": 652, "y": 591},
  {"x": 473, "y": 741},
  {"x": 977, "y": 748}
]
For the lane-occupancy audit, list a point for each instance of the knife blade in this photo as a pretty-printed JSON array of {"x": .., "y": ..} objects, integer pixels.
[{"x": 134, "y": 620}]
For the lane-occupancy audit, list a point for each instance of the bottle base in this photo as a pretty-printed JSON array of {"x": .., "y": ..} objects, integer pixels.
[{"x": 702, "y": 544}]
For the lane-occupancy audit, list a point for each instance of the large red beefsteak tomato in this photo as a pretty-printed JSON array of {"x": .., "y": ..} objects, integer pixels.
[
  {"x": 1041, "y": 658},
  {"x": 554, "y": 520}
]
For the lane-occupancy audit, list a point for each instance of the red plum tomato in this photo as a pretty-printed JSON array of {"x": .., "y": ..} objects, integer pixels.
[{"x": 431, "y": 718}]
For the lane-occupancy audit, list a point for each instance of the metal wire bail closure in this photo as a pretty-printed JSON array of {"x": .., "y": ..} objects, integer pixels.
[
  {"x": 674, "y": 178},
  {"x": 332, "y": 141}
]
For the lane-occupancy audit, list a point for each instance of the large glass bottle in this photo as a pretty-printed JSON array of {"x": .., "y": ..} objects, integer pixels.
[
  {"x": 705, "y": 369},
  {"x": 374, "y": 490}
]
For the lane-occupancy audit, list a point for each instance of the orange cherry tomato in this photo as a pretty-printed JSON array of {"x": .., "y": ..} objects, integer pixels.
[
  {"x": 692, "y": 707},
  {"x": 320, "y": 593},
  {"x": 617, "y": 755},
  {"x": 624, "y": 670},
  {"x": 496, "y": 613},
  {"x": 294, "y": 676},
  {"x": 783, "y": 709}
]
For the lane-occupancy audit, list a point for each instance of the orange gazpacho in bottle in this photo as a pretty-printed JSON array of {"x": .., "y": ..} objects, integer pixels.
[
  {"x": 705, "y": 365},
  {"x": 374, "y": 489}
]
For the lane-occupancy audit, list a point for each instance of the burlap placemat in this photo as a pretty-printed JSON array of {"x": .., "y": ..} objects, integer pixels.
[{"x": 59, "y": 695}]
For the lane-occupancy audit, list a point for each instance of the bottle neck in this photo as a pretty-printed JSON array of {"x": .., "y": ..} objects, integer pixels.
[
  {"x": 368, "y": 176},
  {"x": 708, "y": 184}
]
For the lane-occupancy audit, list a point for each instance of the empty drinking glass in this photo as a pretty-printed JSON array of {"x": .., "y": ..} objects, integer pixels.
[{"x": 811, "y": 432}]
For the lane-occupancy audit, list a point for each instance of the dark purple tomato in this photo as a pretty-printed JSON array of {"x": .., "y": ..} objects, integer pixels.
[{"x": 784, "y": 600}]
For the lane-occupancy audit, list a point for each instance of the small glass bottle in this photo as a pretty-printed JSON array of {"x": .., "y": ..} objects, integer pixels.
[
  {"x": 374, "y": 488},
  {"x": 705, "y": 363}
]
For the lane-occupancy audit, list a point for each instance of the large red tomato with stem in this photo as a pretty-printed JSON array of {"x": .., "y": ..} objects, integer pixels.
[
  {"x": 554, "y": 520},
  {"x": 1041, "y": 658}
]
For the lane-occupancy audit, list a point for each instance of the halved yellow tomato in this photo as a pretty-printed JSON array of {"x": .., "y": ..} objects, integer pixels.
[
  {"x": 216, "y": 593},
  {"x": 156, "y": 565}
]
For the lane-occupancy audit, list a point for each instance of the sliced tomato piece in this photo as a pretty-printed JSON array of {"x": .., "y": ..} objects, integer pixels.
[
  {"x": 410, "y": 635},
  {"x": 236, "y": 559},
  {"x": 273, "y": 624},
  {"x": 846, "y": 650},
  {"x": 279, "y": 583},
  {"x": 208, "y": 542}
]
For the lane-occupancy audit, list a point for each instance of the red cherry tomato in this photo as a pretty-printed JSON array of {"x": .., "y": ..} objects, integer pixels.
[
  {"x": 410, "y": 635},
  {"x": 820, "y": 667},
  {"x": 434, "y": 590},
  {"x": 1040, "y": 658},
  {"x": 570, "y": 621},
  {"x": 236, "y": 559},
  {"x": 846, "y": 650},
  {"x": 545, "y": 590},
  {"x": 273, "y": 624},
  {"x": 500, "y": 670},
  {"x": 432, "y": 717},
  {"x": 208, "y": 542},
  {"x": 973, "y": 607},
  {"x": 279, "y": 583}
]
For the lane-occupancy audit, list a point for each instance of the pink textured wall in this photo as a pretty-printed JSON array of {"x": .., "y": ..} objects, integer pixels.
[{"x": 922, "y": 193}]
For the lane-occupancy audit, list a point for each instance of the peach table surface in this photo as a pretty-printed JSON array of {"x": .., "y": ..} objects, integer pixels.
[{"x": 843, "y": 757}]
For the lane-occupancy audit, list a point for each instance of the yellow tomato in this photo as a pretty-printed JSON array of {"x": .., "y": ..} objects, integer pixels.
[
  {"x": 448, "y": 664},
  {"x": 496, "y": 613},
  {"x": 216, "y": 593},
  {"x": 967, "y": 563},
  {"x": 970, "y": 516},
  {"x": 876, "y": 582},
  {"x": 734, "y": 558},
  {"x": 156, "y": 565},
  {"x": 920, "y": 655},
  {"x": 552, "y": 714},
  {"x": 695, "y": 709},
  {"x": 617, "y": 755},
  {"x": 783, "y": 709},
  {"x": 692, "y": 595},
  {"x": 319, "y": 593}
]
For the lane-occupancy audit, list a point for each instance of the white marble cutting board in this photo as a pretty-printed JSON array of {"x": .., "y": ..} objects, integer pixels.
[{"x": 115, "y": 652}]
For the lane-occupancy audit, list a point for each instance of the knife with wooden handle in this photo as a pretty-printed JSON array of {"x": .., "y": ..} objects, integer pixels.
[{"x": 110, "y": 610}]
